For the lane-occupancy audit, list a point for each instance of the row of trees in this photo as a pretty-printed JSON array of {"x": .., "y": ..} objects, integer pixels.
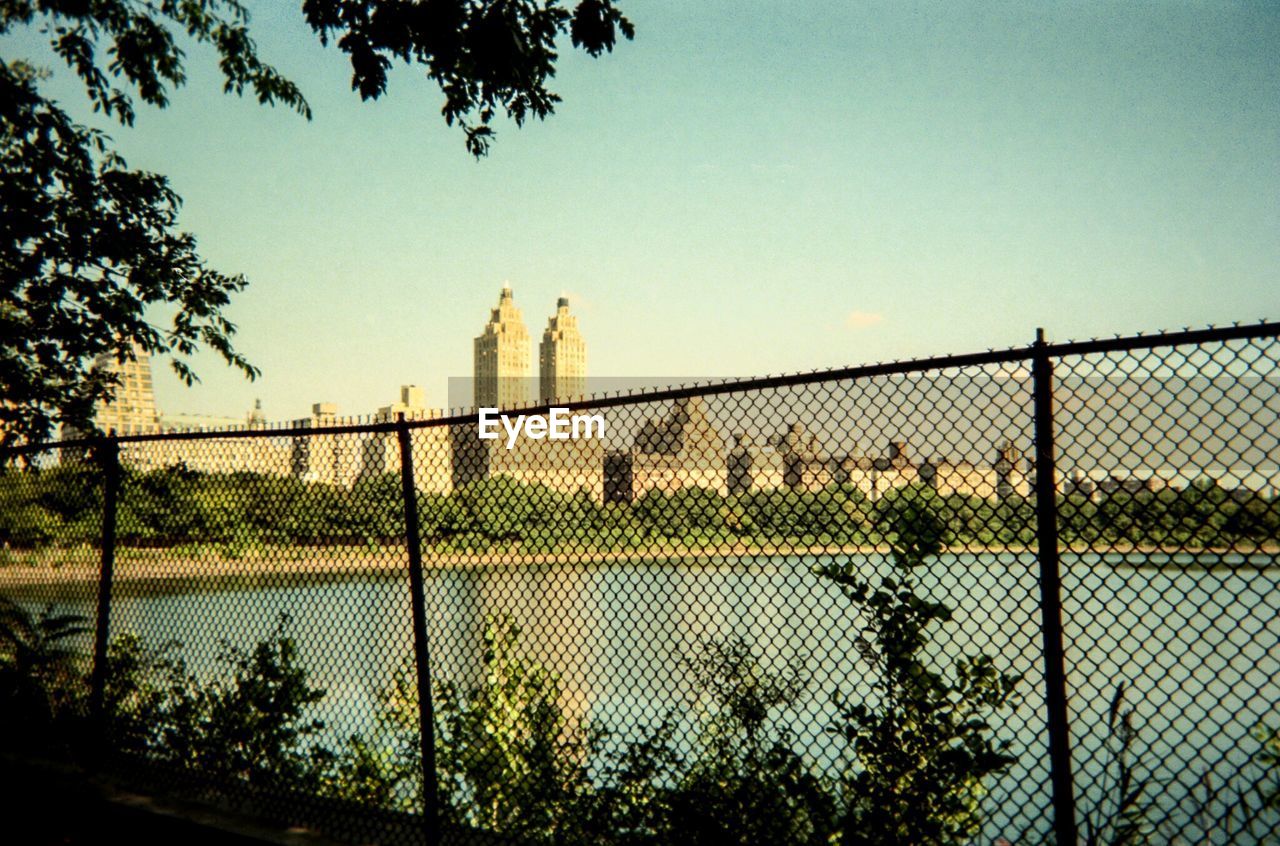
[{"x": 237, "y": 511}]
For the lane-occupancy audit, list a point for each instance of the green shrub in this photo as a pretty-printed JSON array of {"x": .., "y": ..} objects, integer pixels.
[
  {"x": 509, "y": 758},
  {"x": 922, "y": 744},
  {"x": 42, "y": 677},
  {"x": 744, "y": 784},
  {"x": 249, "y": 723}
]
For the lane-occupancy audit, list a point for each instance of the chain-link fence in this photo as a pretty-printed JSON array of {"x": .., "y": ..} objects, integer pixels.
[{"x": 1026, "y": 596}]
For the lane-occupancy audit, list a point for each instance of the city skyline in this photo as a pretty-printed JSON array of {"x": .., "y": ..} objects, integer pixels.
[
  {"x": 779, "y": 193},
  {"x": 501, "y": 378}
]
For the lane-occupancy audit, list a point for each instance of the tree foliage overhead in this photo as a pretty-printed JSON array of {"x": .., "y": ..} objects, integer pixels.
[
  {"x": 118, "y": 46},
  {"x": 86, "y": 247},
  {"x": 89, "y": 248},
  {"x": 486, "y": 56}
]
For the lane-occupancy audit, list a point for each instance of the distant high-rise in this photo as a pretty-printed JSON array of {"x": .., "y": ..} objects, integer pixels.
[
  {"x": 562, "y": 357},
  {"x": 132, "y": 409},
  {"x": 502, "y": 357}
]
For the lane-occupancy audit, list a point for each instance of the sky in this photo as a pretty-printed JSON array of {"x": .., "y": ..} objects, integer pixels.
[{"x": 747, "y": 188}]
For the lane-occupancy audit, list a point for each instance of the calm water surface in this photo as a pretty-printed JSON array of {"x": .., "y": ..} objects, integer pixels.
[{"x": 1196, "y": 649}]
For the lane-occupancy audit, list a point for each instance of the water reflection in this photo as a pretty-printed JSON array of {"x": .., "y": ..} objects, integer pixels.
[{"x": 1197, "y": 648}]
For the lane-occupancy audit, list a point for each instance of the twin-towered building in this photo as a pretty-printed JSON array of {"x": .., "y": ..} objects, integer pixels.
[
  {"x": 502, "y": 360},
  {"x": 502, "y": 380},
  {"x": 682, "y": 448}
]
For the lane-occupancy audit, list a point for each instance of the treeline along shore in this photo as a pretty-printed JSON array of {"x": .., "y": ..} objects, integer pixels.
[{"x": 51, "y": 519}]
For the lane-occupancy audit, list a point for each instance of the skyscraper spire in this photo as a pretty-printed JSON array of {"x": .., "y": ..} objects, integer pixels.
[
  {"x": 502, "y": 357},
  {"x": 562, "y": 357}
]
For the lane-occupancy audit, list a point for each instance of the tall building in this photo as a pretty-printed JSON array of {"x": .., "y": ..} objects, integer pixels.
[
  {"x": 502, "y": 357},
  {"x": 132, "y": 409},
  {"x": 562, "y": 357}
]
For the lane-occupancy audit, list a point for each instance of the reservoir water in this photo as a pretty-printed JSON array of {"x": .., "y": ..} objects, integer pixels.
[{"x": 1197, "y": 648}]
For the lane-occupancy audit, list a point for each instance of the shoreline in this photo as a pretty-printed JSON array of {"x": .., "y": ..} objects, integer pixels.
[{"x": 79, "y": 566}]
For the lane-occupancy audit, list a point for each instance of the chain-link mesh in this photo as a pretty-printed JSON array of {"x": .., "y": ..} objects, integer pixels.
[
  {"x": 1170, "y": 586},
  {"x": 760, "y": 613},
  {"x": 50, "y": 557}
]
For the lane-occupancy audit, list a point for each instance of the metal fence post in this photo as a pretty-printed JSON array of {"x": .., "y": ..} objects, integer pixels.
[
  {"x": 1055, "y": 678},
  {"x": 421, "y": 653},
  {"x": 110, "y": 458}
]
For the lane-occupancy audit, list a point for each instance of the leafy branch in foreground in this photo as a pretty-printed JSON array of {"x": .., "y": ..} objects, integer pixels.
[
  {"x": 141, "y": 48},
  {"x": 745, "y": 784},
  {"x": 249, "y": 723},
  {"x": 485, "y": 56},
  {"x": 923, "y": 743},
  {"x": 510, "y": 758},
  {"x": 39, "y": 668},
  {"x": 90, "y": 247},
  {"x": 513, "y": 761},
  {"x": 87, "y": 248}
]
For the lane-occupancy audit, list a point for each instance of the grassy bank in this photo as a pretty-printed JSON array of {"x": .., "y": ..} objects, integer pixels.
[{"x": 174, "y": 566}]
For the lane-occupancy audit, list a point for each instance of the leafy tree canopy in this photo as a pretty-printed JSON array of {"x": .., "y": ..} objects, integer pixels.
[{"x": 87, "y": 245}]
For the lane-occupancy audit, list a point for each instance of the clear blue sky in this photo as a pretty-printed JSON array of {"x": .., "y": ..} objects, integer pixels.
[{"x": 746, "y": 188}]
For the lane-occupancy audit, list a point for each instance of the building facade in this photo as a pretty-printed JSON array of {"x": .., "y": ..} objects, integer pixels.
[
  {"x": 132, "y": 410},
  {"x": 562, "y": 357},
  {"x": 428, "y": 446},
  {"x": 797, "y": 459},
  {"x": 680, "y": 449},
  {"x": 502, "y": 357},
  {"x": 569, "y": 466}
]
